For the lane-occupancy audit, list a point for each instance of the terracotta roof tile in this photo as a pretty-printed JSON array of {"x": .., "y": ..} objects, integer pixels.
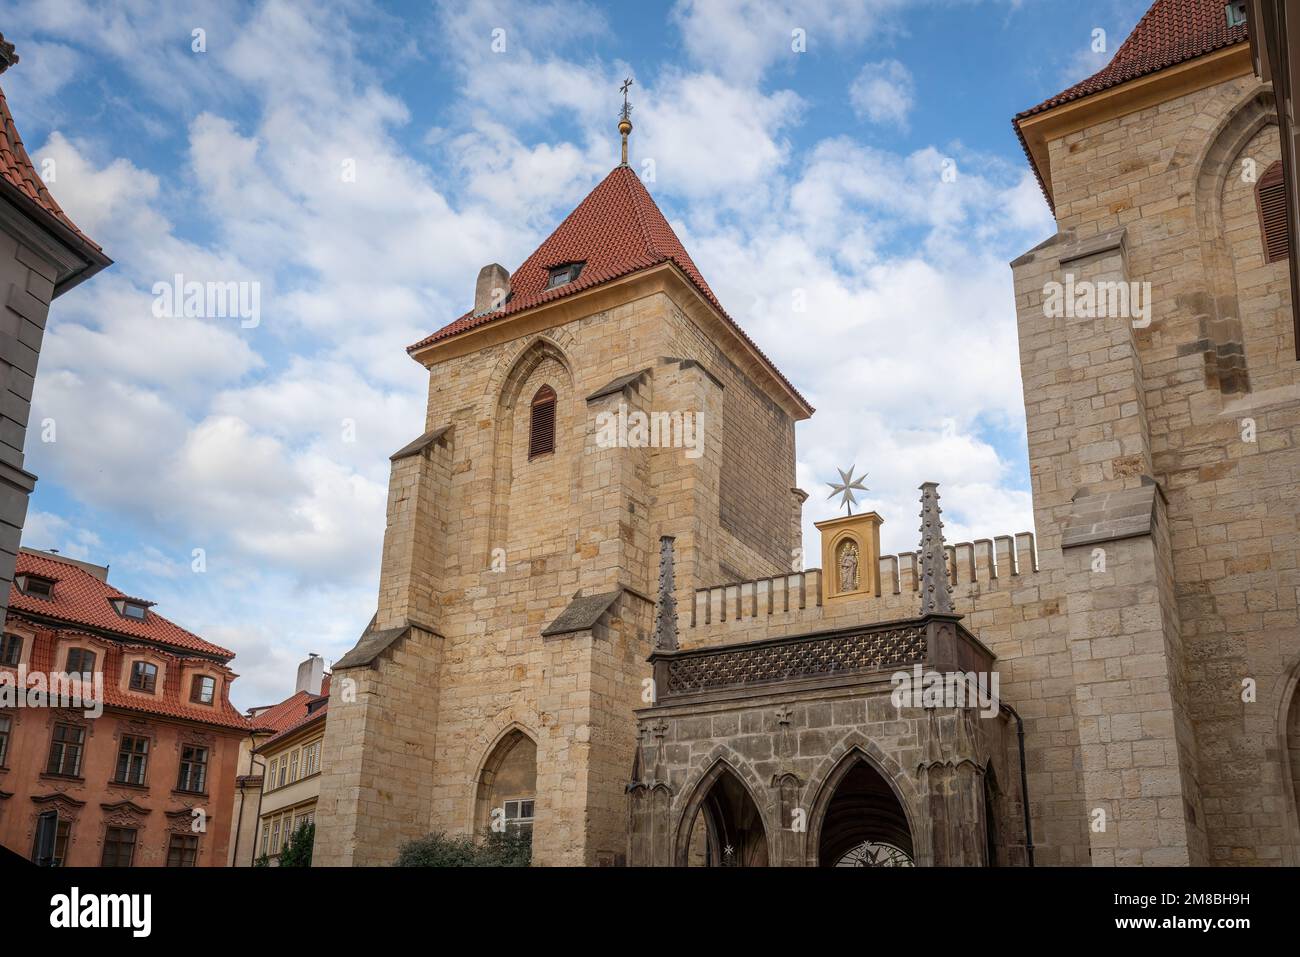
[
  {"x": 1170, "y": 32},
  {"x": 616, "y": 230},
  {"x": 17, "y": 170},
  {"x": 293, "y": 713},
  {"x": 171, "y": 703},
  {"x": 79, "y": 598}
]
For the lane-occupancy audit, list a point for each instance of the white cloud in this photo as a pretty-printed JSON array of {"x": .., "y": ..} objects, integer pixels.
[
  {"x": 882, "y": 92},
  {"x": 742, "y": 39}
]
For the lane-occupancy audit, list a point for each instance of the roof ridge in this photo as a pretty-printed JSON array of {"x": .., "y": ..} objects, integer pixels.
[{"x": 632, "y": 195}]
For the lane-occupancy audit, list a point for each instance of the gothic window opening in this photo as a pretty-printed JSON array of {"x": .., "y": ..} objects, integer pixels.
[
  {"x": 507, "y": 787},
  {"x": 1270, "y": 198},
  {"x": 541, "y": 423}
]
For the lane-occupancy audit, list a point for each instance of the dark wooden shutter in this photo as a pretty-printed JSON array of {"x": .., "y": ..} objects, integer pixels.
[
  {"x": 541, "y": 423},
  {"x": 1270, "y": 195}
]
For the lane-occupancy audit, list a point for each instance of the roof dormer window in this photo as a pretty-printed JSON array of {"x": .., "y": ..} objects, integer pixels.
[
  {"x": 1236, "y": 13},
  {"x": 559, "y": 275},
  {"x": 36, "y": 586},
  {"x": 134, "y": 608}
]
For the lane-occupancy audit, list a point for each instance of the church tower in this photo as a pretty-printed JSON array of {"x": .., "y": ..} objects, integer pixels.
[{"x": 592, "y": 402}]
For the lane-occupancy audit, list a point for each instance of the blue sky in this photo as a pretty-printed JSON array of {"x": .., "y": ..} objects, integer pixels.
[{"x": 813, "y": 176}]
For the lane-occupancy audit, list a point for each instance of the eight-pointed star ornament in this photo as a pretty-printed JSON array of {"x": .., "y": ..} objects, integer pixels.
[{"x": 844, "y": 488}]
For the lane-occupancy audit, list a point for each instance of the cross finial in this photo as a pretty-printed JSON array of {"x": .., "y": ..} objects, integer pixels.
[{"x": 625, "y": 117}]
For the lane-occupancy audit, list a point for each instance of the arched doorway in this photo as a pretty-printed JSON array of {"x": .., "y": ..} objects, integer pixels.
[
  {"x": 727, "y": 827},
  {"x": 864, "y": 824},
  {"x": 507, "y": 786}
]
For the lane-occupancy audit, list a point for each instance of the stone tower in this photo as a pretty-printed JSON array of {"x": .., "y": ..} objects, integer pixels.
[
  {"x": 1160, "y": 372},
  {"x": 594, "y": 401}
]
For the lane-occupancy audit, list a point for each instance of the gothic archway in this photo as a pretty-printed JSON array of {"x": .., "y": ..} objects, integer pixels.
[
  {"x": 507, "y": 785},
  {"x": 1289, "y": 752},
  {"x": 863, "y": 823},
  {"x": 723, "y": 826}
]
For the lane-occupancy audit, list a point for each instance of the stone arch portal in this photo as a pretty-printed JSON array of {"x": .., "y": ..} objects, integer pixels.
[
  {"x": 864, "y": 824},
  {"x": 727, "y": 827}
]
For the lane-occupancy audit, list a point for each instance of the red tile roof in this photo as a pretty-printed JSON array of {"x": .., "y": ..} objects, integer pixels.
[
  {"x": 17, "y": 171},
  {"x": 617, "y": 230},
  {"x": 173, "y": 702},
  {"x": 81, "y": 599},
  {"x": 1170, "y": 33},
  {"x": 292, "y": 714}
]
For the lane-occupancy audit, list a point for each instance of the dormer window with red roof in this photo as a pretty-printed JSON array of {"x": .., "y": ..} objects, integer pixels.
[
  {"x": 36, "y": 586},
  {"x": 133, "y": 608},
  {"x": 1236, "y": 13},
  {"x": 560, "y": 275}
]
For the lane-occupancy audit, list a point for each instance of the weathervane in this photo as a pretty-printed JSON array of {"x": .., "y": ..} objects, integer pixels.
[
  {"x": 844, "y": 488},
  {"x": 627, "y": 109},
  {"x": 625, "y": 118}
]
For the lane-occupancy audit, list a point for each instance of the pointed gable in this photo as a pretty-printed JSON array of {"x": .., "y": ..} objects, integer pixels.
[
  {"x": 616, "y": 231},
  {"x": 1170, "y": 33}
]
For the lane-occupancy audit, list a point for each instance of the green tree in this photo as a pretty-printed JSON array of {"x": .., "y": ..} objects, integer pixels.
[{"x": 297, "y": 851}]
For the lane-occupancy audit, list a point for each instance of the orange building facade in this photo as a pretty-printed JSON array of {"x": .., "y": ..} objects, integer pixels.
[{"x": 131, "y": 759}]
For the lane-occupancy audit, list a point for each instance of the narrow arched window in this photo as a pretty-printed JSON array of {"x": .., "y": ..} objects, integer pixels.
[
  {"x": 1270, "y": 196},
  {"x": 541, "y": 423}
]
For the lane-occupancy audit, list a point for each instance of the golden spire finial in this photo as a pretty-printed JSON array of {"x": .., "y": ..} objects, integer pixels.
[{"x": 625, "y": 118}]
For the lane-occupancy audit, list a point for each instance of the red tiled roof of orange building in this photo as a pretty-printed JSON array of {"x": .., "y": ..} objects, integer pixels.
[
  {"x": 79, "y": 598},
  {"x": 171, "y": 702},
  {"x": 615, "y": 231},
  {"x": 17, "y": 171},
  {"x": 1171, "y": 32}
]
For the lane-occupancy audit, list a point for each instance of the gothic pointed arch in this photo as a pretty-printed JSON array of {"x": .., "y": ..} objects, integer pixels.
[
  {"x": 862, "y": 804},
  {"x": 506, "y": 784},
  {"x": 1288, "y": 751},
  {"x": 722, "y": 822},
  {"x": 1214, "y": 298},
  {"x": 539, "y": 368}
]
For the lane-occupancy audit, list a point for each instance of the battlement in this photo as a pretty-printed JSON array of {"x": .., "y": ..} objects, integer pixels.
[{"x": 750, "y": 608}]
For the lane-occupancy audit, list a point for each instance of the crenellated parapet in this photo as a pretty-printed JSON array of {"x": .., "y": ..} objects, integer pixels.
[{"x": 767, "y": 607}]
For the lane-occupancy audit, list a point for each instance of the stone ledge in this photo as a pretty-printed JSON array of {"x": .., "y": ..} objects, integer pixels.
[
  {"x": 1111, "y": 516},
  {"x": 373, "y": 643},
  {"x": 1102, "y": 243},
  {"x": 582, "y": 613},
  {"x": 621, "y": 384},
  {"x": 420, "y": 444}
]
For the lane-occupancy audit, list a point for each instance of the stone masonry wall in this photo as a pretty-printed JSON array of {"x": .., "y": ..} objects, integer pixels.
[{"x": 1206, "y": 408}]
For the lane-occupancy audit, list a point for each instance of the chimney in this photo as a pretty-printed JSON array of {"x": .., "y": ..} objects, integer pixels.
[
  {"x": 492, "y": 289},
  {"x": 310, "y": 674}
]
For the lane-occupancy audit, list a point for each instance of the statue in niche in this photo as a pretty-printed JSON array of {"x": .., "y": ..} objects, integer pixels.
[{"x": 848, "y": 565}]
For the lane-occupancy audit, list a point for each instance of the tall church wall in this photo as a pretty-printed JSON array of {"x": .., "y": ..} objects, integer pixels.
[{"x": 1183, "y": 648}]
